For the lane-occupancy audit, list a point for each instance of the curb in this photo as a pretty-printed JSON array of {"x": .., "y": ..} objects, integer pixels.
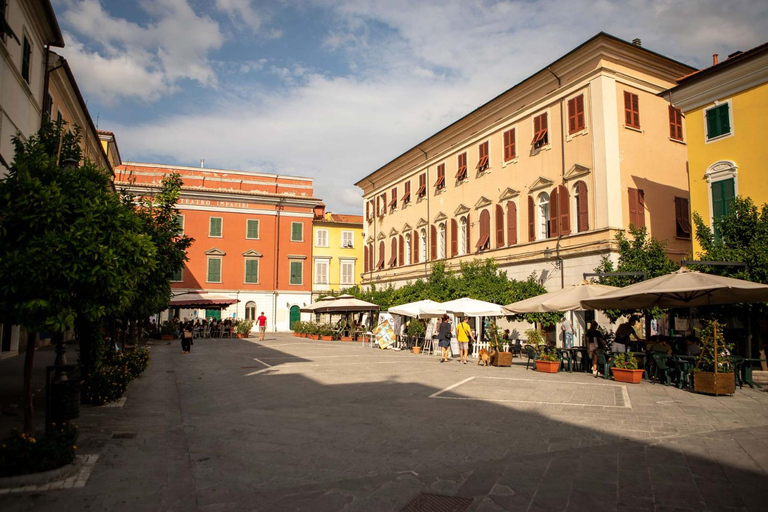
[{"x": 11, "y": 482}]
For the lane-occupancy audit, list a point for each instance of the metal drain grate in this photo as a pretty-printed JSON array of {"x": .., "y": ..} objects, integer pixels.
[
  {"x": 124, "y": 435},
  {"x": 437, "y": 503}
]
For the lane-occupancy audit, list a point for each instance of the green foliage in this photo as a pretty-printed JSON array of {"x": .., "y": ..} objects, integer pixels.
[
  {"x": 625, "y": 361},
  {"x": 416, "y": 329},
  {"x": 639, "y": 253},
  {"x": 168, "y": 328},
  {"x": 21, "y": 454},
  {"x": 109, "y": 381},
  {"x": 534, "y": 337},
  {"x": 244, "y": 327},
  {"x": 712, "y": 342},
  {"x": 548, "y": 355}
]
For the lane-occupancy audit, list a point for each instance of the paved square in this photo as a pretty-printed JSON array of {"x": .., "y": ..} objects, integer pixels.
[{"x": 293, "y": 424}]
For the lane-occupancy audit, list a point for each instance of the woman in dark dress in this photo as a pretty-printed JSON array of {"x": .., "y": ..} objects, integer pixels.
[
  {"x": 444, "y": 337},
  {"x": 186, "y": 337}
]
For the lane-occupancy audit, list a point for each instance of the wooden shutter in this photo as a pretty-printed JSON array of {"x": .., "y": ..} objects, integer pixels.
[
  {"x": 468, "y": 245},
  {"x": 483, "y": 240},
  {"x": 482, "y": 162},
  {"x": 554, "y": 218},
  {"x": 415, "y": 247},
  {"x": 499, "y": 226},
  {"x": 572, "y": 116},
  {"x": 511, "y": 223},
  {"x": 631, "y": 109},
  {"x": 401, "y": 252},
  {"x": 682, "y": 224},
  {"x": 564, "y": 210},
  {"x": 583, "y": 212},
  {"x": 365, "y": 259},
  {"x": 637, "y": 207},
  {"x": 407, "y": 192},
  {"x": 675, "y": 123},
  {"x": 393, "y": 252},
  {"x": 509, "y": 145},
  {"x": 576, "y": 114},
  {"x": 531, "y": 220},
  {"x": 433, "y": 242},
  {"x": 454, "y": 237}
]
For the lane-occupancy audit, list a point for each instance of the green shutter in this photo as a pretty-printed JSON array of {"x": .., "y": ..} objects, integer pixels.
[
  {"x": 251, "y": 271},
  {"x": 214, "y": 226},
  {"x": 725, "y": 119},
  {"x": 718, "y": 121},
  {"x": 296, "y": 272},
  {"x": 176, "y": 276},
  {"x": 297, "y": 229},
  {"x": 253, "y": 229},
  {"x": 26, "y": 55},
  {"x": 214, "y": 270},
  {"x": 723, "y": 193}
]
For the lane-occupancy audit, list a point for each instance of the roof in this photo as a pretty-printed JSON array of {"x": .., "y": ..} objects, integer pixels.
[
  {"x": 727, "y": 63},
  {"x": 346, "y": 219},
  {"x": 59, "y": 41},
  {"x": 542, "y": 70}
]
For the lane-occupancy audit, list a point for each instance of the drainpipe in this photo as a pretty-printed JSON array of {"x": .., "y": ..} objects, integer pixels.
[
  {"x": 277, "y": 264},
  {"x": 373, "y": 246},
  {"x": 427, "y": 252},
  {"x": 46, "y": 81}
]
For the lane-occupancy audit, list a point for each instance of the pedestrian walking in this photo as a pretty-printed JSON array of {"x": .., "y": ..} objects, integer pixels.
[
  {"x": 463, "y": 335},
  {"x": 186, "y": 338},
  {"x": 444, "y": 338},
  {"x": 262, "y": 326},
  {"x": 595, "y": 342}
]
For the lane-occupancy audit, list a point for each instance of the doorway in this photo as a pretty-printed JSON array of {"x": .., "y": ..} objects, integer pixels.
[{"x": 295, "y": 316}]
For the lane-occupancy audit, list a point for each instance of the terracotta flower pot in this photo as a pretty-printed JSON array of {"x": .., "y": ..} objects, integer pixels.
[
  {"x": 547, "y": 366},
  {"x": 166, "y": 337},
  {"x": 346, "y": 338},
  {"x": 416, "y": 350},
  {"x": 326, "y": 338},
  {"x": 626, "y": 375}
]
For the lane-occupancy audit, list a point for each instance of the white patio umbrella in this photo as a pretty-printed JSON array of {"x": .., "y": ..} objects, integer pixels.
[
  {"x": 465, "y": 306},
  {"x": 414, "y": 309},
  {"x": 565, "y": 299},
  {"x": 681, "y": 289}
]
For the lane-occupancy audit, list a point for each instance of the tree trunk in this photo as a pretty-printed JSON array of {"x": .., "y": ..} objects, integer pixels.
[
  {"x": 91, "y": 345},
  {"x": 29, "y": 408}
]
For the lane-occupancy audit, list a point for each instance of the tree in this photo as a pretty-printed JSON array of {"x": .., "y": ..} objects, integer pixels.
[{"x": 69, "y": 248}]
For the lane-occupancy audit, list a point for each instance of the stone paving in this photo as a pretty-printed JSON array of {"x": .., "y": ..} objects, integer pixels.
[{"x": 294, "y": 424}]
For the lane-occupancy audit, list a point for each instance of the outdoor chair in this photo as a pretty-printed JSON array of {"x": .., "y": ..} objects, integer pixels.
[
  {"x": 737, "y": 362},
  {"x": 662, "y": 368},
  {"x": 603, "y": 362},
  {"x": 566, "y": 362},
  {"x": 531, "y": 353},
  {"x": 684, "y": 368}
]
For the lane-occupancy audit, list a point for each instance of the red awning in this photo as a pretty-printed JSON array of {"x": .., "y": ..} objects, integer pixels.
[{"x": 202, "y": 300}]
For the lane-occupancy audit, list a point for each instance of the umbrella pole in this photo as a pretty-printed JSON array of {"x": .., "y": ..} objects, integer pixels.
[{"x": 749, "y": 331}]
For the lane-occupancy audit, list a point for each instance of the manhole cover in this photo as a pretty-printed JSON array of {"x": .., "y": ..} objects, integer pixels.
[
  {"x": 124, "y": 435},
  {"x": 437, "y": 503}
]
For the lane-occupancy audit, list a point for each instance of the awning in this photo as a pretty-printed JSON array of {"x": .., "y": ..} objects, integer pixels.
[{"x": 202, "y": 300}]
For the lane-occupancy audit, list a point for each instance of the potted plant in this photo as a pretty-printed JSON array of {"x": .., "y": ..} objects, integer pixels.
[
  {"x": 625, "y": 369},
  {"x": 313, "y": 331},
  {"x": 497, "y": 344},
  {"x": 167, "y": 330},
  {"x": 548, "y": 361},
  {"x": 534, "y": 337},
  {"x": 713, "y": 373},
  {"x": 416, "y": 330},
  {"x": 296, "y": 328},
  {"x": 326, "y": 332},
  {"x": 243, "y": 328}
]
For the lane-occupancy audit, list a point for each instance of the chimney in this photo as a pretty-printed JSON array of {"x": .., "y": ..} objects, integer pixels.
[
  {"x": 202, "y": 163},
  {"x": 714, "y": 59},
  {"x": 637, "y": 42}
]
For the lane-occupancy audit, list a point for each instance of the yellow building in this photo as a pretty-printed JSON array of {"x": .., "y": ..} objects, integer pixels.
[
  {"x": 337, "y": 252},
  {"x": 726, "y": 119}
]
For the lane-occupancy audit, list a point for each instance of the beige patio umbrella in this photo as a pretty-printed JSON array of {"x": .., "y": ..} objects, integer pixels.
[
  {"x": 312, "y": 308},
  {"x": 565, "y": 299},
  {"x": 681, "y": 289},
  {"x": 346, "y": 304}
]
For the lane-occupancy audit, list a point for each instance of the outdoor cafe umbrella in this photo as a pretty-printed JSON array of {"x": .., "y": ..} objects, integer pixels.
[
  {"x": 413, "y": 309},
  {"x": 312, "y": 308},
  {"x": 464, "y": 306},
  {"x": 680, "y": 289},
  {"x": 346, "y": 304},
  {"x": 565, "y": 299}
]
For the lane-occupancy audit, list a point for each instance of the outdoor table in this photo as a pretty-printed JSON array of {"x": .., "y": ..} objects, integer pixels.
[{"x": 571, "y": 354}]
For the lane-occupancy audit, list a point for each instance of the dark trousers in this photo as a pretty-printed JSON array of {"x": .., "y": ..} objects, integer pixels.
[{"x": 186, "y": 344}]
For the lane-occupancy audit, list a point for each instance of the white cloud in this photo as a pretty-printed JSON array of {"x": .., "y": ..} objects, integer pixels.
[
  {"x": 171, "y": 48},
  {"x": 241, "y": 12}
]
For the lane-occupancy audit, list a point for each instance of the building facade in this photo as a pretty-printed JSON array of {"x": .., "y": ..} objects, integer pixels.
[
  {"x": 726, "y": 114},
  {"x": 541, "y": 178},
  {"x": 253, "y": 237},
  {"x": 337, "y": 254}
]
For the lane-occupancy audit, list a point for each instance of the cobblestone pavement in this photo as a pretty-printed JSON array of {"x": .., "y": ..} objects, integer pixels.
[{"x": 294, "y": 424}]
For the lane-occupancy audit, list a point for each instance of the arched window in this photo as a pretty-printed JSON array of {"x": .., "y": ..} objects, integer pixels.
[
  {"x": 543, "y": 216},
  {"x": 380, "y": 261},
  {"x": 581, "y": 206},
  {"x": 722, "y": 178},
  {"x": 407, "y": 250},
  {"x": 463, "y": 235},
  {"x": 423, "y": 245},
  {"x": 499, "y": 226},
  {"x": 511, "y": 223},
  {"x": 250, "y": 310},
  {"x": 454, "y": 237},
  {"x": 393, "y": 253},
  {"x": 441, "y": 241}
]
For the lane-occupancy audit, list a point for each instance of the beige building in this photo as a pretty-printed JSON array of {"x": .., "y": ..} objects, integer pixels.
[{"x": 540, "y": 178}]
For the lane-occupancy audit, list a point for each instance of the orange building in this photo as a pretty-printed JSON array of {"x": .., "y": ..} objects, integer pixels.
[{"x": 253, "y": 237}]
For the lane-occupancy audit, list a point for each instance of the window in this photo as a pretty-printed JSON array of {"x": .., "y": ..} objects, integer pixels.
[
  {"x": 423, "y": 245},
  {"x": 454, "y": 237},
  {"x": 723, "y": 192},
  {"x": 393, "y": 253},
  {"x": 59, "y": 118},
  {"x": 407, "y": 193},
  {"x": 482, "y": 162},
  {"x": 511, "y": 223},
  {"x": 178, "y": 276},
  {"x": 631, "y": 110},
  {"x": 347, "y": 239},
  {"x": 499, "y": 226},
  {"x": 433, "y": 243},
  {"x": 252, "y": 229},
  {"x": 576, "y": 114},
  {"x": 48, "y": 107},
  {"x": 321, "y": 238},
  {"x": 463, "y": 235},
  {"x": 718, "y": 121},
  {"x": 543, "y": 231},
  {"x": 581, "y": 206},
  {"x": 441, "y": 241},
  {"x": 416, "y": 247},
  {"x": 297, "y": 232},
  {"x": 297, "y": 272},
  {"x": 509, "y": 145},
  {"x": 422, "y": 185},
  {"x": 381, "y": 205},
  {"x": 407, "y": 249},
  {"x": 675, "y": 123},
  {"x": 321, "y": 272},
  {"x": 461, "y": 174},
  {"x": 214, "y": 269},
  {"x": 540, "y": 132},
  {"x": 393, "y": 201},
  {"x": 636, "y": 207},
  {"x": 559, "y": 212},
  {"x": 370, "y": 257},
  {"x": 483, "y": 242},
  {"x": 682, "y": 222},
  {"x": 347, "y": 272},
  {"x": 26, "y": 59},
  {"x": 369, "y": 210},
  {"x": 250, "y": 310},
  {"x": 251, "y": 271},
  {"x": 215, "y": 227},
  {"x": 180, "y": 222},
  {"x": 380, "y": 262},
  {"x": 440, "y": 183}
]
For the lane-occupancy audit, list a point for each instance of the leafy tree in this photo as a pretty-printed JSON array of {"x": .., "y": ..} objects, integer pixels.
[{"x": 69, "y": 248}]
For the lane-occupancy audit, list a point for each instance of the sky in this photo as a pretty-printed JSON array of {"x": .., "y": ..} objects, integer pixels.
[{"x": 333, "y": 90}]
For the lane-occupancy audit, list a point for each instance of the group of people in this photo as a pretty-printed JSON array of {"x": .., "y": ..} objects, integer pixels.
[{"x": 463, "y": 335}]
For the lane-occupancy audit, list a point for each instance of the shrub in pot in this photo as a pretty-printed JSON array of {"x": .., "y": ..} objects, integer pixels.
[
  {"x": 167, "y": 330},
  {"x": 713, "y": 374},
  {"x": 243, "y": 328},
  {"x": 415, "y": 331},
  {"x": 326, "y": 332},
  {"x": 625, "y": 369},
  {"x": 548, "y": 361},
  {"x": 497, "y": 342}
]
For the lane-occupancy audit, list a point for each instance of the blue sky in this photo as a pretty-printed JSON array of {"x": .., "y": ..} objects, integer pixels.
[{"x": 335, "y": 89}]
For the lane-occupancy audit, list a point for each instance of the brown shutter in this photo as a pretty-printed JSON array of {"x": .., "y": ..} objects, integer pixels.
[
  {"x": 632, "y": 201},
  {"x": 433, "y": 242},
  {"x": 572, "y": 116},
  {"x": 365, "y": 259},
  {"x": 401, "y": 252},
  {"x": 468, "y": 248},
  {"x": 415, "y": 246},
  {"x": 554, "y": 218},
  {"x": 579, "y": 112},
  {"x": 531, "y": 220},
  {"x": 628, "y": 110},
  {"x": 499, "y": 226},
  {"x": 454, "y": 237},
  {"x": 640, "y": 208},
  {"x": 511, "y": 223},
  {"x": 637, "y": 207},
  {"x": 380, "y": 262},
  {"x": 536, "y": 126},
  {"x": 565, "y": 211},
  {"x": 675, "y": 123},
  {"x": 583, "y": 212},
  {"x": 636, "y": 110}
]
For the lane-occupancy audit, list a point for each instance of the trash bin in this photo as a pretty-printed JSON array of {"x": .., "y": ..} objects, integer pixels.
[{"x": 65, "y": 400}]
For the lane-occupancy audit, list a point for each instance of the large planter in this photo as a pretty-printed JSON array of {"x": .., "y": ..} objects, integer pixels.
[
  {"x": 166, "y": 337},
  {"x": 242, "y": 335},
  {"x": 346, "y": 338},
  {"x": 314, "y": 336},
  {"x": 503, "y": 359},
  {"x": 547, "y": 366},
  {"x": 711, "y": 383},
  {"x": 627, "y": 375},
  {"x": 416, "y": 350},
  {"x": 326, "y": 338}
]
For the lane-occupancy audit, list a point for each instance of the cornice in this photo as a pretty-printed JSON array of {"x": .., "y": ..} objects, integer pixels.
[
  {"x": 509, "y": 193},
  {"x": 215, "y": 251},
  {"x": 577, "y": 171},
  {"x": 541, "y": 182}
]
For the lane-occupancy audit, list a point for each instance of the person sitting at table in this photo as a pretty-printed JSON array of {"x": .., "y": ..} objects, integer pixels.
[
  {"x": 595, "y": 342},
  {"x": 623, "y": 333},
  {"x": 692, "y": 345},
  {"x": 660, "y": 344}
]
